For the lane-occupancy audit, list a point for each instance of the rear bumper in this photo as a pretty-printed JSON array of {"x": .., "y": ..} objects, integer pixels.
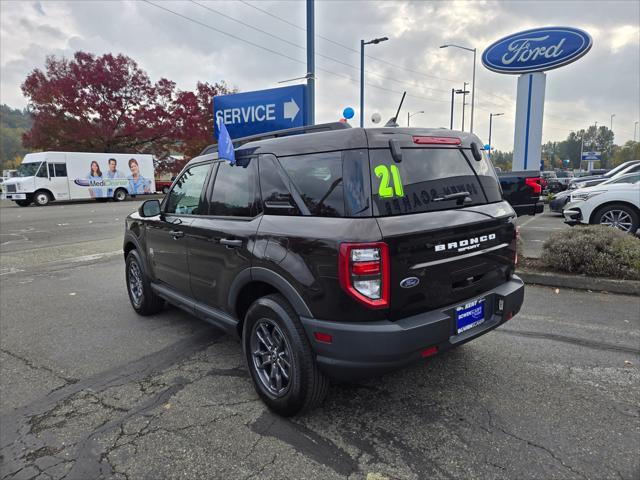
[
  {"x": 528, "y": 209},
  {"x": 365, "y": 349}
]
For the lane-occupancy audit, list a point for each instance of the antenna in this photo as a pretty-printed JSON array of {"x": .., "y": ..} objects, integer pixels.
[{"x": 392, "y": 122}]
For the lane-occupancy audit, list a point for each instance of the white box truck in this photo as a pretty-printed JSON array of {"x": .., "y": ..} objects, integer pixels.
[{"x": 46, "y": 176}]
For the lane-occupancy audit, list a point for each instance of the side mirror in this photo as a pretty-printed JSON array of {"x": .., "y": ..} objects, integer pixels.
[
  {"x": 149, "y": 208},
  {"x": 475, "y": 150}
]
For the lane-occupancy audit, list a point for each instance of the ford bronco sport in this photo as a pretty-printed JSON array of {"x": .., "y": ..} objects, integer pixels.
[{"x": 332, "y": 252}]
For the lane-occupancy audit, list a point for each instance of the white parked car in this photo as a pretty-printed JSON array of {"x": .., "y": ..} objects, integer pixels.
[{"x": 615, "y": 203}]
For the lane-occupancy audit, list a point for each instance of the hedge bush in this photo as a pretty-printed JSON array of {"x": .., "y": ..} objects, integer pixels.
[{"x": 593, "y": 250}]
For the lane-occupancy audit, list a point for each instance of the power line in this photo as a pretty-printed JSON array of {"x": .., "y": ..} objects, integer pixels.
[
  {"x": 235, "y": 37},
  {"x": 351, "y": 49},
  {"x": 351, "y": 66}
]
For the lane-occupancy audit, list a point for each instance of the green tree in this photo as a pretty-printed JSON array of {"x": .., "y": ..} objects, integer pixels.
[{"x": 13, "y": 123}]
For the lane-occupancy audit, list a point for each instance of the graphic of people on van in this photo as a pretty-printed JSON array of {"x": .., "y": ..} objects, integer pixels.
[
  {"x": 113, "y": 173},
  {"x": 137, "y": 183},
  {"x": 95, "y": 180}
]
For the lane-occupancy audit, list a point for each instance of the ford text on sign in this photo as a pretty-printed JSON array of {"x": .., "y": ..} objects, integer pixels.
[
  {"x": 536, "y": 50},
  {"x": 251, "y": 113}
]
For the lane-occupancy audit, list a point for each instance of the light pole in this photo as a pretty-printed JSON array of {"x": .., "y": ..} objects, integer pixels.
[
  {"x": 491, "y": 115},
  {"x": 635, "y": 127},
  {"x": 375, "y": 41},
  {"x": 473, "y": 88},
  {"x": 453, "y": 92},
  {"x": 611, "y": 122},
  {"x": 411, "y": 115},
  {"x": 463, "y": 92}
]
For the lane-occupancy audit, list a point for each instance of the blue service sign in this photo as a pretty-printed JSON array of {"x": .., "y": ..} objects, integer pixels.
[
  {"x": 250, "y": 113},
  {"x": 537, "y": 50}
]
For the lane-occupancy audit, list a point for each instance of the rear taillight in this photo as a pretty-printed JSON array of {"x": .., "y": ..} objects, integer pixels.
[
  {"x": 364, "y": 272},
  {"x": 534, "y": 182},
  {"x": 436, "y": 141}
]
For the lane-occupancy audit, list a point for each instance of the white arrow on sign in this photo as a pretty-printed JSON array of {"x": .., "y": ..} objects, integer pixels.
[{"x": 291, "y": 109}]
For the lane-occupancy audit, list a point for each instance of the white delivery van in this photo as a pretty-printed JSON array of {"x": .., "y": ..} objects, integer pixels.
[{"x": 47, "y": 176}]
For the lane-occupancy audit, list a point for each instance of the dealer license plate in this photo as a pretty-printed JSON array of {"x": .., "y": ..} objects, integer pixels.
[{"x": 469, "y": 315}]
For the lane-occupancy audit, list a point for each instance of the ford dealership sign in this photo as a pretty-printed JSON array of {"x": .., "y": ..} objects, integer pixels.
[{"x": 536, "y": 50}]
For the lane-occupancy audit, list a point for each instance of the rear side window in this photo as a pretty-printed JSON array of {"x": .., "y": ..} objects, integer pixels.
[
  {"x": 235, "y": 191},
  {"x": 276, "y": 195},
  {"x": 424, "y": 177},
  {"x": 318, "y": 180}
]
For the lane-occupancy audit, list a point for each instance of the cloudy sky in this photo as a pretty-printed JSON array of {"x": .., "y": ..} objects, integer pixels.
[{"x": 182, "y": 42}]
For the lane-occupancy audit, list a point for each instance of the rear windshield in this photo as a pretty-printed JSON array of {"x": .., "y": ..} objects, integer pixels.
[{"x": 425, "y": 176}]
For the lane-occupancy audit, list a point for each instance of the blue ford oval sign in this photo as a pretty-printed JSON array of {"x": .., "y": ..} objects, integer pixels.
[{"x": 536, "y": 50}]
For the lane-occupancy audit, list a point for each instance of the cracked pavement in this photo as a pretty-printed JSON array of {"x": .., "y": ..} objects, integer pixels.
[{"x": 91, "y": 390}]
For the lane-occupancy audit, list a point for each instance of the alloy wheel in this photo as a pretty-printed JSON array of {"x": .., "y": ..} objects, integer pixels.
[
  {"x": 617, "y": 218},
  {"x": 135, "y": 283},
  {"x": 271, "y": 356}
]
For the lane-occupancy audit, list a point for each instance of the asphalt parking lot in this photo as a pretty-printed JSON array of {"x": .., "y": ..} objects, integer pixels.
[
  {"x": 91, "y": 390},
  {"x": 534, "y": 230}
]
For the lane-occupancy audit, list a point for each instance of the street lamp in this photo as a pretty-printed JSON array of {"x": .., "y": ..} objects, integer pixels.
[
  {"x": 635, "y": 127},
  {"x": 491, "y": 115},
  {"x": 473, "y": 88},
  {"x": 375, "y": 41},
  {"x": 411, "y": 115},
  {"x": 611, "y": 121}
]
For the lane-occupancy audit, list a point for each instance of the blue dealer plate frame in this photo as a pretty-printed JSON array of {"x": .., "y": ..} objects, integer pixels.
[{"x": 470, "y": 315}]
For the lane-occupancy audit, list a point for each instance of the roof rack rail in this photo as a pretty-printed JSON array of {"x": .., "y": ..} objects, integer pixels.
[{"x": 322, "y": 127}]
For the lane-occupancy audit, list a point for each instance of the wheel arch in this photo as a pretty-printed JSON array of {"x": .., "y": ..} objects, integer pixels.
[
  {"x": 52, "y": 197},
  {"x": 613, "y": 202},
  {"x": 256, "y": 282}
]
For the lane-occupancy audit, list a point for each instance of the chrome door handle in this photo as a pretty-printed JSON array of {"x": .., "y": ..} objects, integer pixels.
[
  {"x": 176, "y": 234},
  {"x": 231, "y": 243}
]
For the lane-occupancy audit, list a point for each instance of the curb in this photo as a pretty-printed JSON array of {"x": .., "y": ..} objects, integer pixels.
[{"x": 552, "y": 279}]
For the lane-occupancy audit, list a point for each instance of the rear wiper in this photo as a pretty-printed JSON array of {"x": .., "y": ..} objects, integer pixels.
[{"x": 464, "y": 196}]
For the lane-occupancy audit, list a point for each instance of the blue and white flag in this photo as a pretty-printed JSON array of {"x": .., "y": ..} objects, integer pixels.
[{"x": 225, "y": 145}]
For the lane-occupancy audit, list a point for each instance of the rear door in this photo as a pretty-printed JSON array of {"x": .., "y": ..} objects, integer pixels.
[
  {"x": 221, "y": 243},
  {"x": 450, "y": 235}
]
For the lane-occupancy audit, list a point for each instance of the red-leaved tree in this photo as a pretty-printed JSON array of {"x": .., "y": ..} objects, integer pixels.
[
  {"x": 193, "y": 117},
  {"x": 99, "y": 104}
]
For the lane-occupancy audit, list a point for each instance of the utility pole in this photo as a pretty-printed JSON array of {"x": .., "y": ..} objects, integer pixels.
[
  {"x": 635, "y": 128},
  {"x": 311, "y": 64},
  {"x": 453, "y": 92},
  {"x": 473, "y": 90}
]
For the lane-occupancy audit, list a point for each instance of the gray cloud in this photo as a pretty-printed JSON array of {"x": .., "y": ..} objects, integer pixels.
[{"x": 603, "y": 82}]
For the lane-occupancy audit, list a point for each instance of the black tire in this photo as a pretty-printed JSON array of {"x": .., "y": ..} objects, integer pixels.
[
  {"x": 142, "y": 298},
  {"x": 41, "y": 198},
  {"x": 165, "y": 190},
  {"x": 617, "y": 215},
  {"x": 120, "y": 195},
  {"x": 306, "y": 386},
  {"x": 23, "y": 203}
]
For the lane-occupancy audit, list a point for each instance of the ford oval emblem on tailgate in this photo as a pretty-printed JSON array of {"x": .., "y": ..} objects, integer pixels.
[{"x": 409, "y": 282}]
